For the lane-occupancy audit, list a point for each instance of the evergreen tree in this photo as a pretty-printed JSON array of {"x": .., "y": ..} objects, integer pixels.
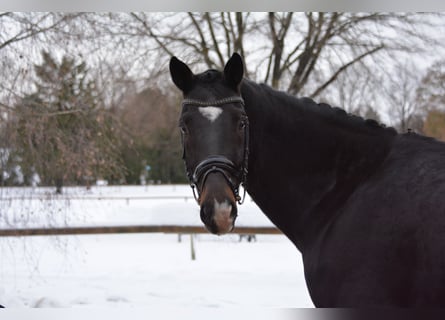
[{"x": 64, "y": 132}]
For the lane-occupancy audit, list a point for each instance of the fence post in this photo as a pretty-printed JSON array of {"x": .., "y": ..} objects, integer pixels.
[{"x": 192, "y": 247}]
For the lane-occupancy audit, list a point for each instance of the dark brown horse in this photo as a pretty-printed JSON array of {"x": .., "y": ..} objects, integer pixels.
[{"x": 364, "y": 204}]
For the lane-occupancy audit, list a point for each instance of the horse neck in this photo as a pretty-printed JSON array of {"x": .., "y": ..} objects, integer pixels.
[{"x": 305, "y": 163}]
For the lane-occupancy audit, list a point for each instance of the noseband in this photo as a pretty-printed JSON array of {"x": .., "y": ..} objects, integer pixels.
[{"x": 218, "y": 163}]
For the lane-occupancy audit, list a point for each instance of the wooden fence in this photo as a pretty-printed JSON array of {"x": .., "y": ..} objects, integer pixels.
[
  {"x": 84, "y": 230},
  {"x": 20, "y": 232},
  {"x": 53, "y": 197}
]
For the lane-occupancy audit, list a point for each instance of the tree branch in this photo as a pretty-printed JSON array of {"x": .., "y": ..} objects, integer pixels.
[
  {"x": 215, "y": 41},
  {"x": 151, "y": 33},
  {"x": 204, "y": 46},
  {"x": 343, "y": 68}
]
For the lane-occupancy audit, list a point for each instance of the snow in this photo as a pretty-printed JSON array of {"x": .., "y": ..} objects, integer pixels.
[{"x": 140, "y": 270}]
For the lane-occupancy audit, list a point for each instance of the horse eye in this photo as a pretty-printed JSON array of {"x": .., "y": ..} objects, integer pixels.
[{"x": 183, "y": 129}]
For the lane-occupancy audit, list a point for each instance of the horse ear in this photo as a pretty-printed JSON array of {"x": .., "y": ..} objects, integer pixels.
[
  {"x": 234, "y": 71},
  {"x": 181, "y": 74}
]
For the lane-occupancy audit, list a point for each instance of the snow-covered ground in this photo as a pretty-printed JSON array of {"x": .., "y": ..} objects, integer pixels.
[{"x": 139, "y": 270}]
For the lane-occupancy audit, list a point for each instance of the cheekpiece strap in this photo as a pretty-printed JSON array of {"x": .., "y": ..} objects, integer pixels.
[{"x": 228, "y": 100}]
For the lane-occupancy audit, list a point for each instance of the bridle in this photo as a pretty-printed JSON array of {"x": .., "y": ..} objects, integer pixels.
[{"x": 218, "y": 163}]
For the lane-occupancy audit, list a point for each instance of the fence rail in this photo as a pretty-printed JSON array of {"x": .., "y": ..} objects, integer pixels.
[
  {"x": 65, "y": 198},
  {"x": 20, "y": 232}
]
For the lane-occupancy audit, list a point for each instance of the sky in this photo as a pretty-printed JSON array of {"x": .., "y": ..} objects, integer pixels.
[{"x": 228, "y": 5}]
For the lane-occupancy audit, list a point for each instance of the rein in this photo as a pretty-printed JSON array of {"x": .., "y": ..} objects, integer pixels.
[{"x": 219, "y": 163}]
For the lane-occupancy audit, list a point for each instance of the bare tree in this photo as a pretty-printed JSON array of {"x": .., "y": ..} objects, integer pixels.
[
  {"x": 19, "y": 26},
  {"x": 431, "y": 90},
  {"x": 353, "y": 91},
  {"x": 400, "y": 92},
  {"x": 301, "y": 52},
  {"x": 22, "y": 36}
]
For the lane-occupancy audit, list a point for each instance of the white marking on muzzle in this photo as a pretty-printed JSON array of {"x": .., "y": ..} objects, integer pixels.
[
  {"x": 211, "y": 113},
  {"x": 222, "y": 216}
]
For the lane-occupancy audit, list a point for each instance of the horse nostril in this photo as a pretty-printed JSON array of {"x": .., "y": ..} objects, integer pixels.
[{"x": 206, "y": 214}]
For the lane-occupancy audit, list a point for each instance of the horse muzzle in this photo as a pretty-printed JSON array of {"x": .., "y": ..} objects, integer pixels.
[{"x": 218, "y": 205}]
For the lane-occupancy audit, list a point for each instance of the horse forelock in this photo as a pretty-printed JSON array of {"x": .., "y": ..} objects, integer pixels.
[
  {"x": 210, "y": 75},
  {"x": 209, "y": 85}
]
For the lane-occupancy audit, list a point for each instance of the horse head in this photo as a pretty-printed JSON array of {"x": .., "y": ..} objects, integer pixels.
[{"x": 214, "y": 130}]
